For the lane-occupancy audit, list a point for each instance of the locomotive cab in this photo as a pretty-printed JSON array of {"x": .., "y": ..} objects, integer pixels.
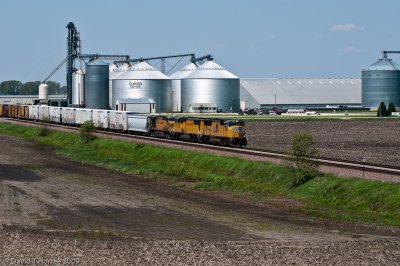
[{"x": 236, "y": 132}]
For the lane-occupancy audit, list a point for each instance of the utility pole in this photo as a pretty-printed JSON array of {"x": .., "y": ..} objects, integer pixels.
[{"x": 275, "y": 102}]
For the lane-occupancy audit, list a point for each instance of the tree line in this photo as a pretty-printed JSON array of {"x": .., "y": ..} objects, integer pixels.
[{"x": 15, "y": 87}]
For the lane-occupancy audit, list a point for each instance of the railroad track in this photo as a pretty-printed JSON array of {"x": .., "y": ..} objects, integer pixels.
[{"x": 241, "y": 152}]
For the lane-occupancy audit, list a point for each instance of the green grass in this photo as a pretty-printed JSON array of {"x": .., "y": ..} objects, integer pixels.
[
  {"x": 327, "y": 196},
  {"x": 351, "y": 199}
]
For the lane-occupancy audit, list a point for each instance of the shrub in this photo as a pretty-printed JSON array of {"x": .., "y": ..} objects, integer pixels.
[
  {"x": 86, "y": 131},
  {"x": 391, "y": 109},
  {"x": 300, "y": 159},
  {"x": 382, "y": 111},
  {"x": 44, "y": 130}
]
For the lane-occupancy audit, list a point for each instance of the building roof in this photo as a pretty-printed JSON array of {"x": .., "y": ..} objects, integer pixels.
[
  {"x": 292, "y": 91},
  {"x": 135, "y": 101}
]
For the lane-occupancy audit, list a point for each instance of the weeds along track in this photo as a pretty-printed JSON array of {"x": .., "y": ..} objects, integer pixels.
[{"x": 328, "y": 165}]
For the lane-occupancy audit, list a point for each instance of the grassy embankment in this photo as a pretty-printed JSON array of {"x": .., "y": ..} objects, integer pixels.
[{"x": 326, "y": 196}]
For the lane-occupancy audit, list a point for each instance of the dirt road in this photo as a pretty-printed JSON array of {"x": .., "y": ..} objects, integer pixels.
[{"x": 52, "y": 208}]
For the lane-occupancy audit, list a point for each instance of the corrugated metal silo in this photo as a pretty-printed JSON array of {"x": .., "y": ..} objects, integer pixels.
[
  {"x": 176, "y": 85},
  {"x": 144, "y": 81},
  {"x": 380, "y": 82},
  {"x": 115, "y": 71},
  {"x": 78, "y": 88},
  {"x": 96, "y": 85},
  {"x": 211, "y": 84}
]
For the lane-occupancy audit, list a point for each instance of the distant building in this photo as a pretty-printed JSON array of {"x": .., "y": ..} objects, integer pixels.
[
  {"x": 299, "y": 93},
  {"x": 53, "y": 100},
  {"x": 140, "y": 106}
]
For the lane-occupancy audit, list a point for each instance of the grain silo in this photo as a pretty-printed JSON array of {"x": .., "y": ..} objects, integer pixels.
[
  {"x": 212, "y": 86},
  {"x": 114, "y": 72},
  {"x": 176, "y": 85},
  {"x": 380, "y": 82},
  {"x": 96, "y": 85},
  {"x": 43, "y": 92},
  {"x": 78, "y": 88},
  {"x": 146, "y": 82}
]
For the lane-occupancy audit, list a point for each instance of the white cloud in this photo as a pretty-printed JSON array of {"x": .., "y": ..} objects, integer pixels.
[
  {"x": 350, "y": 49},
  {"x": 346, "y": 27}
]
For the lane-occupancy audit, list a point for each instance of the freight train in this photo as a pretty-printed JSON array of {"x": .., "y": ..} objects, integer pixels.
[{"x": 195, "y": 129}]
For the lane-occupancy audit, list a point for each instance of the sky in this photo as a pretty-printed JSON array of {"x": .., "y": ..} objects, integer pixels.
[{"x": 250, "y": 38}]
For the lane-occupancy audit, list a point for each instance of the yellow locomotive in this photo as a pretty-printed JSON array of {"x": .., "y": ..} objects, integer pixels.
[{"x": 204, "y": 130}]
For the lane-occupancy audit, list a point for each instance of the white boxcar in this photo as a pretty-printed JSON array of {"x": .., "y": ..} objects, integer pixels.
[
  {"x": 68, "y": 116},
  {"x": 55, "y": 114},
  {"x": 44, "y": 113},
  {"x": 101, "y": 118},
  {"x": 83, "y": 115},
  {"x": 119, "y": 120},
  {"x": 137, "y": 123},
  {"x": 34, "y": 112}
]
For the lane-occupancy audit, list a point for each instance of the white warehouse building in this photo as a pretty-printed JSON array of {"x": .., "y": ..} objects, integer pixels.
[{"x": 299, "y": 92}]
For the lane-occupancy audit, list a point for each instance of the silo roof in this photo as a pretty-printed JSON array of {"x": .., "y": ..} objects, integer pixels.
[
  {"x": 97, "y": 62},
  {"x": 142, "y": 70},
  {"x": 211, "y": 70},
  {"x": 185, "y": 71},
  {"x": 115, "y": 71},
  {"x": 384, "y": 64}
]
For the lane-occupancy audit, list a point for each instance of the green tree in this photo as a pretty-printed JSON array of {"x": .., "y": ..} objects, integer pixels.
[
  {"x": 86, "y": 131},
  {"x": 382, "y": 111},
  {"x": 54, "y": 87},
  {"x": 30, "y": 88},
  {"x": 63, "y": 90},
  {"x": 10, "y": 87},
  {"x": 391, "y": 109},
  {"x": 300, "y": 159}
]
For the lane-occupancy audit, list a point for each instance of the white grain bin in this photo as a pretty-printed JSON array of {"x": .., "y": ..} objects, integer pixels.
[
  {"x": 211, "y": 84},
  {"x": 143, "y": 81},
  {"x": 176, "y": 85},
  {"x": 114, "y": 72}
]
